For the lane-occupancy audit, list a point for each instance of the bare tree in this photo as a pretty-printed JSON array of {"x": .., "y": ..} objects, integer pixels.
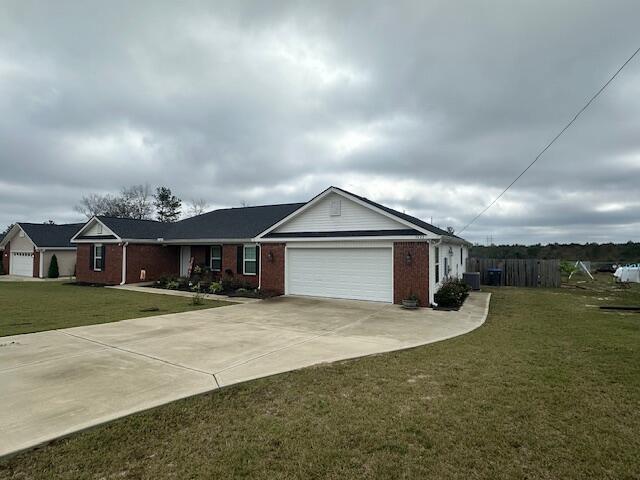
[
  {"x": 450, "y": 230},
  {"x": 133, "y": 202},
  {"x": 197, "y": 206}
]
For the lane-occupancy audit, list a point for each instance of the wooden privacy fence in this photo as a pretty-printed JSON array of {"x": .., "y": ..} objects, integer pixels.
[{"x": 517, "y": 272}]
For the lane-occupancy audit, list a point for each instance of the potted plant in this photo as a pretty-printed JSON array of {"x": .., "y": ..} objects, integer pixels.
[{"x": 411, "y": 302}]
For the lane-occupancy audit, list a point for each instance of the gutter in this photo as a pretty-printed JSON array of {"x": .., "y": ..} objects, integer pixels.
[{"x": 124, "y": 263}]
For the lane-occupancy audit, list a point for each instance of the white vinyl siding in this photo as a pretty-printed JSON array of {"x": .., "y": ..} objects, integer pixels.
[
  {"x": 322, "y": 217},
  {"x": 21, "y": 264},
  {"x": 66, "y": 262},
  {"x": 351, "y": 273}
]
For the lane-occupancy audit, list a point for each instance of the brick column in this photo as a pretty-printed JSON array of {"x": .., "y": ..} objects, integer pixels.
[
  {"x": 272, "y": 263},
  {"x": 411, "y": 271}
]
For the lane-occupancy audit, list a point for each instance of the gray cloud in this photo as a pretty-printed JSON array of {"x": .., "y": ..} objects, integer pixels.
[{"x": 426, "y": 106}]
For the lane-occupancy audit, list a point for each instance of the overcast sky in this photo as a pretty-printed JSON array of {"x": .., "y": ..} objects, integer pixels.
[{"x": 429, "y": 107}]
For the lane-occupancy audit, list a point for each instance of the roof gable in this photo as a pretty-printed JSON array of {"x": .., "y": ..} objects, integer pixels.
[
  {"x": 336, "y": 213},
  {"x": 45, "y": 235}
]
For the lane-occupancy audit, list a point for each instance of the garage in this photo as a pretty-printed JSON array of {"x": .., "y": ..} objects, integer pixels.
[
  {"x": 351, "y": 273},
  {"x": 21, "y": 264}
]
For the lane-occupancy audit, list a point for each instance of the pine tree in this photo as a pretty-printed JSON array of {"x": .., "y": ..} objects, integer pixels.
[
  {"x": 167, "y": 205},
  {"x": 53, "y": 267}
]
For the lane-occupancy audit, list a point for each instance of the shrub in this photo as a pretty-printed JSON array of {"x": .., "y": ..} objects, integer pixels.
[
  {"x": 452, "y": 294},
  {"x": 215, "y": 287},
  {"x": 53, "y": 267},
  {"x": 173, "y": 285}
]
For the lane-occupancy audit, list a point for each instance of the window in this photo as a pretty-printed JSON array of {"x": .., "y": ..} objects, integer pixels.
[
  {"x": 437, "y": 258},
  {"x": 250, "y": 261},
  {"x": 98, "y": 255},
  {"x": 216, "y": 258}
]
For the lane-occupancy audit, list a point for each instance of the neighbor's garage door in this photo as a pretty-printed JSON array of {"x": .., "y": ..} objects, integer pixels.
[
  {"x": 355, "y": 273},
  {"x": 21, "y": 263}
]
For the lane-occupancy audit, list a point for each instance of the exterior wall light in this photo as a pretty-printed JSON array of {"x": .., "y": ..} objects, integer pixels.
[
  {"x": 408, "y": 259},
  {"x": 270, "y": 256}
]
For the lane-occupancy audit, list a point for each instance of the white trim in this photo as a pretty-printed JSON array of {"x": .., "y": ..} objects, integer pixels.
[
  {"x": 341, "y": 244},
  {"x": 101, "y": 257},
  {"x": 198, "y": 241},
  {"x": 406, "y": 238},
  {"x": 10, "y": 234},
  {"x": 317, "y": 198},
  {"x": 286, "y": 268},
  {"x": 211, "y": 257},
  {"x": 259, "y": 266},
  {"x": 124, "y": 262},
  {"x": 244, "y": 258},
  {"x": 86, "y": 226},
  {"x": 41, "y": 261}
]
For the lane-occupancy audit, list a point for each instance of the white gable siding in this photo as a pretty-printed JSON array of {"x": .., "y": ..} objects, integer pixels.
[
  {"x": 21, "y": 243},
  {"x": 318, "y": 218},
  {"x": 94, "y": 230}
]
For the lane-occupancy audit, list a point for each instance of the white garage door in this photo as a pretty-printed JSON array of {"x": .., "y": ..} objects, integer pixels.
[
  {"x": 356, "y": 273},
  {"x": 21, "y": 263}
]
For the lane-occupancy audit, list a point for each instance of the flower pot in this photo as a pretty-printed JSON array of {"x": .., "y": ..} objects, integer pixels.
[{"x": 410, "y": 304}]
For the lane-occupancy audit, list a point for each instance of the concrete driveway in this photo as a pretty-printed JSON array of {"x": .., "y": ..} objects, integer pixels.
[{"x": 58, "y": 382}]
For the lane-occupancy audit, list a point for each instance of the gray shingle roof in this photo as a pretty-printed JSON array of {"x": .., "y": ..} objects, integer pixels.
[
  {"x": 131, "y": 228},
  {"x": 45, "y": 235},
  {"x": 227, "y": 223}
]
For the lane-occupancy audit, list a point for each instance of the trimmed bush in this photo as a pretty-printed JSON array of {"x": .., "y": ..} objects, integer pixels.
[
  {"x": 452, "y": 294},
  {"x": 53, "y": 267}
]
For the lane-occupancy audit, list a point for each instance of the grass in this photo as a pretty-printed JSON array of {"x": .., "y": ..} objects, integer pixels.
[
  {"x": 548, "y": 388},
  {"x": 27, "y": 307}
]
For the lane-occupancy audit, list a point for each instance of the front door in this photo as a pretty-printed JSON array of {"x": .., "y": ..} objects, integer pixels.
[{"x": 185, "y": 258}]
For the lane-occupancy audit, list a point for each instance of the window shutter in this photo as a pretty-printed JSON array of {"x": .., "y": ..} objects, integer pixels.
[
  {"x": 207, "y": 256},
  {"x": 257, "y": 259},
  {"x": 240, "y": 251},
  {"x": 103, "y": 264},
  {"x": 91, "y": 247}
]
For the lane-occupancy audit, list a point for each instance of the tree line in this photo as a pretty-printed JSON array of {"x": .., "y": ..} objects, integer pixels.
[
  {"x": 595, "y": 252},
  {"x": 139, "y": 203}
]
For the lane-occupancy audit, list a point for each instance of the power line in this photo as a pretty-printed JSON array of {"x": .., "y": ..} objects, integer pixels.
[{"x": 566, "y": 127}]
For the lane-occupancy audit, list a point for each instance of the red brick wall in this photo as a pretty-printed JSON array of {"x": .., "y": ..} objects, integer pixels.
[
  {"x": 157, "y": 260},
  {"x": 411, "y": 278},
  {"x": 6, "y": 257},
  {"x": 230, "y": 262},
  {"x": 111, "y": 274},
  {"x": 272, "y": 277},
  {"x": 36, "y": 263}
]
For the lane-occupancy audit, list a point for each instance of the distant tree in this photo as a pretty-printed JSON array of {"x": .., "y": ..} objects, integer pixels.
[
  {"x": 197, "y": 206},
  {"x": 132, "y": 202},
  {"x": 53, "y": 267},
  {"x": 167, "y": 205},
  {"x": 450, "y": 230},
  {"x": 6, "y": 230},
  {"x": 49, "y": 222}
]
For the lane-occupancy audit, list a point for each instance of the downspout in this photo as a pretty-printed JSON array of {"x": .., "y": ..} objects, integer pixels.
[
  {"x": 41, "y": 267},
  {"x": 260, "y": 266},
  {"x": 432, "y": 273},
  {"x": 124, "y": 263}
]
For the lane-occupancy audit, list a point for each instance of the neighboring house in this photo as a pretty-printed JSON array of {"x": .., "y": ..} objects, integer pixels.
[
  {"x": 337, "y": 245},
  {"x": 27, "y": 249}
]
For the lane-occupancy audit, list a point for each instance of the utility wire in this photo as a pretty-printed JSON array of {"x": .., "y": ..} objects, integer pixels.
[{"x": 566, "y": 127}]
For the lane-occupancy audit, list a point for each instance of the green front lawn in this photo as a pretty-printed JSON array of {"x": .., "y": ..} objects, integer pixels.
[
  {"x": 27, "y": 307},
  {"x": 548, "y": 388}
]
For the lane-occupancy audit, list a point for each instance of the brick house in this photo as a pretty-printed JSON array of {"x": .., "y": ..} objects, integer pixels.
[{"x": 337, "y": 245}]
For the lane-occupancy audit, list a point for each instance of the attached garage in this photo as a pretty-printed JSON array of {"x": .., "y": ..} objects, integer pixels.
[
  {"x": 21, "y": 264},
  {"x": 353, "y": 273}
]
